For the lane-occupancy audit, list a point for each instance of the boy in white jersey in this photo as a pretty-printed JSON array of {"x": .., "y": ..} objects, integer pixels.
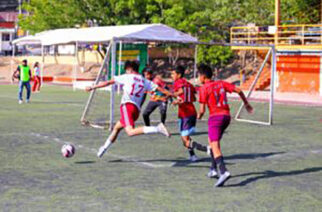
[{"x": 134, "y": 88}]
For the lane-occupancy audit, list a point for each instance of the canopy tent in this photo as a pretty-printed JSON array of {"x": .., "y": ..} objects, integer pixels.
[
  {"x": 106, "y": 34},
  {"x": 125, "y": 33}
]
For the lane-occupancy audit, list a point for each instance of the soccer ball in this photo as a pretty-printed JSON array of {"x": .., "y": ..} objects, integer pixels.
[{"x": 68, "y": 150}]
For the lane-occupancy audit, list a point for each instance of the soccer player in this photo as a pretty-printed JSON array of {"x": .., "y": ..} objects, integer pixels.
[
  {"x": 134, "y": 87},
  {"x": 186, "y": 111},
  {"x": 213, "y": 94},
  {"x": 157, "y": 100}
]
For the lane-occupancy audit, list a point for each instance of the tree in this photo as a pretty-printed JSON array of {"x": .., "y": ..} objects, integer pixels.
[
  {"x": 209, "y": 20},
  {"x": 48, "y": 14}
]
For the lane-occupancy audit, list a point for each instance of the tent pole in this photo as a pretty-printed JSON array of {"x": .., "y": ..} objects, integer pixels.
[
  {"x": 195, "y": 65},
  {"x": 119, "y": 71},
  {"x": 75, "y": 66},
  {"x": 12, "y": 60},
  {"x": 42, "y": 66},
  {"x": 113, "y": 67}
]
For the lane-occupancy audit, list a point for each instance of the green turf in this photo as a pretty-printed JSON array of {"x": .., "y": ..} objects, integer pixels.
[{"x": 276, "y": 168}]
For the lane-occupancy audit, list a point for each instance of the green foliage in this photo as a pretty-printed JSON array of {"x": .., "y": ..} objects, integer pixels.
[
  {"x": 47, "y": 14},
  {"x": 209, "y": 20}
]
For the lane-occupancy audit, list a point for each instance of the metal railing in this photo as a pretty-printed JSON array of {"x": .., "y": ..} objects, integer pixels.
[{"x": 309, "y": 34}]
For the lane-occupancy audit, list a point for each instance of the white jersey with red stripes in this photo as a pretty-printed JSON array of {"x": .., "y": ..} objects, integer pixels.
[{"x": 134, "y": 88}]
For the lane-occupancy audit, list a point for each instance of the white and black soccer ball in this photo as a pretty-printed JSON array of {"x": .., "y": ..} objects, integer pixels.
[{"x": 68, "y": 150}]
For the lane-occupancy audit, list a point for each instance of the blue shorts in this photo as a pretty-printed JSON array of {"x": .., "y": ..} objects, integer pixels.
[{"x": 187, "y": 125}]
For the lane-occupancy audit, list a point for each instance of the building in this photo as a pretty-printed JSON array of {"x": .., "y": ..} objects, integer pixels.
[{"x": 9, "y": 10}]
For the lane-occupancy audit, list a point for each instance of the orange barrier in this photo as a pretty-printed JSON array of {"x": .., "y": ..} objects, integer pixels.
[
  {"x": 64, "y": 79},
  {"x": 299, "y": 73}
]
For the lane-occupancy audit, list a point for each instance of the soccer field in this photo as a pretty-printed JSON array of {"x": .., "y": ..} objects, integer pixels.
[{"x": 277, "y": 168}]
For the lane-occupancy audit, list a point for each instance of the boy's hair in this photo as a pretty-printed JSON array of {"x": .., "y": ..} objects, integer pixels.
[
  {"x": 205, "y": 70},
  {"x": 127, "y": 64},
  {"x": 132, "y": 64},
  {"x": 24, "y": 61},
  {"x": 147, "y": 69},
  {"x": 180, "y": 70}
]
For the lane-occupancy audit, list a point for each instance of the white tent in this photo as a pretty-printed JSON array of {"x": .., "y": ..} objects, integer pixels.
[
  {"x": 125, "y": 33},
  {"x": 107, "y": 35}
]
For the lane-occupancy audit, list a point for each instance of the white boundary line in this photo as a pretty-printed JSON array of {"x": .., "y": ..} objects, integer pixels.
[
  {"x": 45, "y": 101},
  {"x": 93, "y": 150}
]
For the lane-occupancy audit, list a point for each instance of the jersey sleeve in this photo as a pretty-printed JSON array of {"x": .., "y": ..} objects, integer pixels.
[
  {"x": 177, "y": 85},
  {"x": 202, "y": 95},
  {"x": 150, "y": 86},
  {"x": 123, "y": 79},
  {"x": 229, "y": 87}
]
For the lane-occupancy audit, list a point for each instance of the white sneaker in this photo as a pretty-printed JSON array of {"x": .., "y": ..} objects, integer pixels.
[
  {"x": 27, "y": 101},
  {"x": 163, "y": 130},
  {"x": 222, "y": 179},
  {"x": 208, "y": 150},
  {"x": 212, "y": 173},
  {"x": 101, "y": 151},
  {"x": 20, "y": 102},
  {"x": 193, "y": 158}
]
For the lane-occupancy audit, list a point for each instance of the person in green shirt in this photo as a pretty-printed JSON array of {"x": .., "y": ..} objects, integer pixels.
[{"x": 23, "y": 74}]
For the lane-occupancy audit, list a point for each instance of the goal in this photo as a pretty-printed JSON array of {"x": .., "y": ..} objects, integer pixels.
[{"x": 101, "y": 108}]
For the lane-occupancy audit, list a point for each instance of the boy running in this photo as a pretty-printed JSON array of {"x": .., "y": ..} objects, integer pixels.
[
  {"x": 134, "y": 87},
  {"x": 213, "y": 94},
  {"x": 186, "y": 112}
]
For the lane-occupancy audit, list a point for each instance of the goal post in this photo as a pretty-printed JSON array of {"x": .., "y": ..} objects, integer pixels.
[
  {"x": 100, "y": 109},
  {"x": 99, "y": 76},
  {"x": 271, "y": 53}
]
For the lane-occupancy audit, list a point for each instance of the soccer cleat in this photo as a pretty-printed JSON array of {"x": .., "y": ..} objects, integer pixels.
[
  {"x": 193, "y": 158},
  {"x": 222, "y": 179},
  {"x": 27, "y": 101},
  {"x": 101, "y": 151},
  {"x": 212, "y": 173},
  {"x": 20, "y": 102},
  {"x": 163, "y": 130},
  {"x": 208, "y": 150}
]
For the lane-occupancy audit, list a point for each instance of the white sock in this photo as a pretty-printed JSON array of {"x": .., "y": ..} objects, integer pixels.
[
  {"x": 149, "y": 130},
  {"x": 107, "y": 144}
]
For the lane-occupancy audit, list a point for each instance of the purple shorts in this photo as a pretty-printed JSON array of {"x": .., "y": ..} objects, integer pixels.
[{"x": 217, "y": 125}]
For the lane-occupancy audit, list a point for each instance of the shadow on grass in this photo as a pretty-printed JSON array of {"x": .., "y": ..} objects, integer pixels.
[
  {"x": 271, "y": 174},
  {"x": 183, "y": 162},
  {"x": 85, "y": 162},
  {"x": 250, "y": 156}
]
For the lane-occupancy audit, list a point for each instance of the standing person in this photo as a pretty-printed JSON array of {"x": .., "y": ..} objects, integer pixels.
[
  {"x": 158, "y": 99},
  {"x": 186, "y": 111},
  {"x": 147, "y": 74},
  {"x": 213, "y": 94},
  {"x": 23, "y": 73},
  {"x": 37, "y": 80},
  {"x": 134, "y": 87}
]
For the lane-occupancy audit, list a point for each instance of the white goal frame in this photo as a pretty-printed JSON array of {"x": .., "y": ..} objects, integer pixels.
[{"x": 111, "y": 50}]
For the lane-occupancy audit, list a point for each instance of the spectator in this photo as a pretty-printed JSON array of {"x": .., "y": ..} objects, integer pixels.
[
  {"x": 37, "y": 80},
  {"x": 23, "y": 74}
]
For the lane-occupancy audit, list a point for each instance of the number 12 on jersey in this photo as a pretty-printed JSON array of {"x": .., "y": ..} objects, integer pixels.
[{"x": 136, "y": 90}]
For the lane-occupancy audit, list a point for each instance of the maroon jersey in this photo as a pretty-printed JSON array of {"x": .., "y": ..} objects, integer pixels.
[{"x": 213, "y": 93}]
